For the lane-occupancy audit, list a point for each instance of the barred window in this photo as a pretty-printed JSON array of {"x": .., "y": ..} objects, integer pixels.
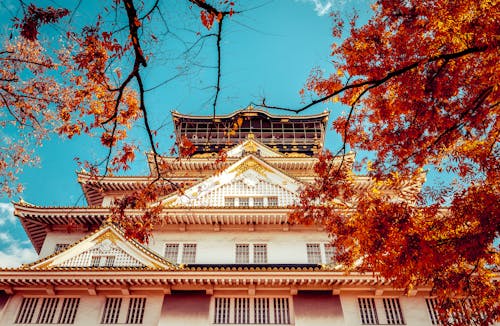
[
  {"x": 135, "y": 312},
  {"x": 111, "y": 311},
  {"x": 393, "y": 312},
  {"x": 189, "y": 253},
  {"x": 68, "y": 310},
  {"x": 222, "y": 311},
  {"x": 245, "y": 311},
  {"x": 251, "y": 253},
  {"x": 61, "y": 246},
  {"x": 380, "y": 311},
  {"x": 272, "y": 201},
  {"x": 242, "y": 310},
  {"x": 313, "y": 253},
  {"x": 26, "y": 311},
  {"x": 229, "y": 201},
  {"x": 48, "y": 312},
  {"x": 260, "y": 253},
  {"x": 242, "y": 254},
  {"x": 171, "y": 251},
  {"x": 258, "y": 201},
  {"x": 319, "y": 253},
  {"x": 368, "y": 311},
  {"x": 465, "y": 307},
  {"x": 102, "y": 261},
  {"x": 329, "y": 252},
  {"x": 244, "y": 202}
]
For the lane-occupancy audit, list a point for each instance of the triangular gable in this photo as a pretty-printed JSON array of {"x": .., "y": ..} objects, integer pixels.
[
  {"x": 105, "y": 248},
  {"x": 250, "y": 177},
  {"x": 252, "y": 146}
]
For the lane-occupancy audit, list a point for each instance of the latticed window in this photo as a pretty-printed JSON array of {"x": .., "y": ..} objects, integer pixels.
[
  {"x": 111, "y": 311},
  {"x": 432, "y": 309},
  {"x": 242, "y": 253},
  {"x": 383, "y": 311},
  {"x": 261, "y": 310},
  {"x": 135, "y": 313},
  {"x": 48, "y": 312},
  {"x": 26, "y": 311},
  {"x": 229, "y": 201},
  {"x": 222, "y": 311},
  {"x": 272, "y": 201},
  {"x": 189, "y": 253},
  {"x": 68, "y": 310},
  {"x": 329, "y": 252},
  {"x": 61, "y": 246},
  {"x": 251, "y": 253},
  {"x": 244, "y": 311},
  {"x": 244, "y": 202},
  {"x": 258, "y": 201},
  {"x": 393, "y": 313},
  {"x": 313, "y": 253},
  {"x": 465, "y": 307},
  {"x": 100, "y": 261},
  {"x": 368, "y": 311},
  {"x": 171, "y": 251},
  {"x": 260, "y": 253}
]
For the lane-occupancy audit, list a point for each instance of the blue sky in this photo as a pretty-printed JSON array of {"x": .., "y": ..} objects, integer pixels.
[{"x": 267, "y": 51}]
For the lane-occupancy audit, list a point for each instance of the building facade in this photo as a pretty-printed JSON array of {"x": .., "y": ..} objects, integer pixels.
[{"x": 224, "y": 252}]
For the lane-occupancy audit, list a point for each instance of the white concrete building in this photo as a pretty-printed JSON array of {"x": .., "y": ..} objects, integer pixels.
[{"x": 224, "y": 253}]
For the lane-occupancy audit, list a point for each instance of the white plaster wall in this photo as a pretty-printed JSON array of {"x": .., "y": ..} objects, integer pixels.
[
  {"x": 90, "y": 310},
  {"x": 55, "y": 237},
  {"x": 414, "y": 309},
  {"x": 219, "y": 247}
]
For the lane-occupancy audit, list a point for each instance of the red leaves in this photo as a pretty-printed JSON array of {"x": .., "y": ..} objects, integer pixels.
[
  {"x": 186, "y": 147},
  {"x": 138, "y": 214},
  {"x": 35, "y": 17},
  {"x": 207, "y": 18}
]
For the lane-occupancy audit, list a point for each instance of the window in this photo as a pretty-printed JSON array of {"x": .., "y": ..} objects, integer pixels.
[
  {"x": 259, "y": 253},
  {"x": 329, "y": 252},
  {"x": 181, "y": 253},
  {"x": 61, "y": 246},
  {"x": 272, "y": 201},
  {"x": 26, "y": 311},
  {"x": 229, "y": 201},
  {"x": 68, "y": 310},
  {"x": 250, "y": 201},
  {"x": 242, "y": 254},
  {"x": 371, "y": 309},
  {"x": 171, "y": 251},
  {"x": 244, "y": 201},
  {"x": 465, "y": 305},
  {"x": 102, "y": 261},
  {"x": 48, "y": 312},
  {"x": 251, "y": 253},
  {"x": 319, "y": 253},
  {"x": 432, "y": 309},
  {"x": 258, "y": 202},
  {"x": 244, "y": 311},
  {"x": 313, "y": 253},
  {"x": 189, "y": 253},
  {"x": 112, "y": 311},
  {"x": 135, "y": 312}
]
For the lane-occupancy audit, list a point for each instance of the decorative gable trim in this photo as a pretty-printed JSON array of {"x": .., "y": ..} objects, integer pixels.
[
  {"x": 249, "y": 171},
  {"x": 105, "y": 248}
]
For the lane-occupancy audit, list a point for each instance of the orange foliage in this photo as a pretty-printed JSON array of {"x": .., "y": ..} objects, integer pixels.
[{"x": 423, "y": 88}]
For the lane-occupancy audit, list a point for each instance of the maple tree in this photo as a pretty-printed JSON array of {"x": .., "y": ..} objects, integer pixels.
[{"x": 421, "y": 79}]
